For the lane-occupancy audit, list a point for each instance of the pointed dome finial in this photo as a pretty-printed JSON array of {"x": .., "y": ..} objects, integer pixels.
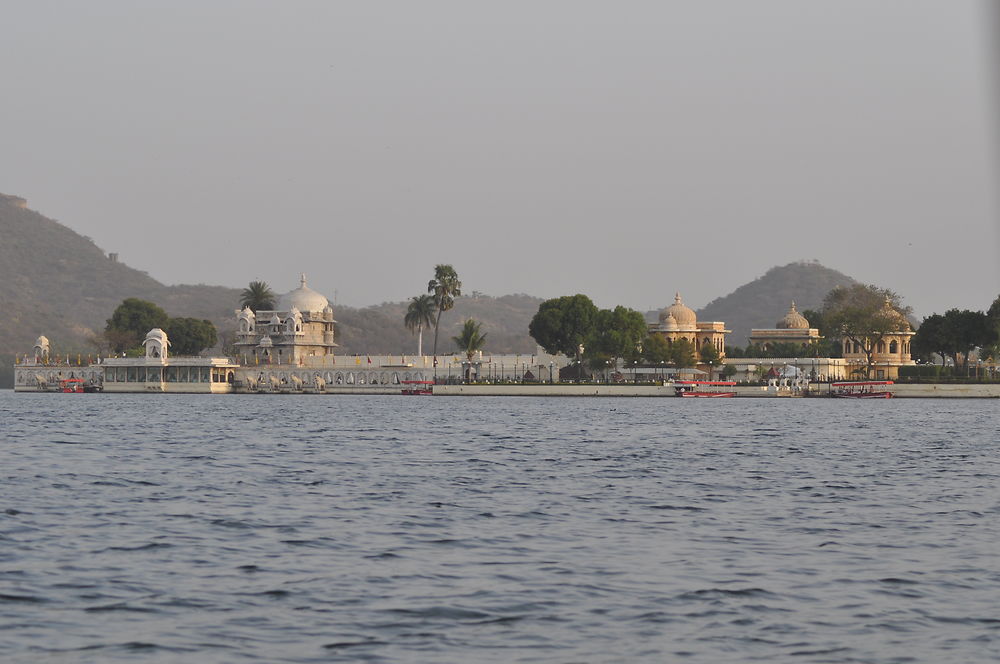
[
  {"x": 302, "y": 279},
  {"x": 677, "y": 298}
]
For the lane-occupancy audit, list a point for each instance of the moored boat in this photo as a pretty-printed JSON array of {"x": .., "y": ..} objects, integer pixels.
[
  {"x": 417, "y": 387},
  {"x": 861, "y": 389},
  {"x": 704, "y": 388},
  {"x": 71, "y": 385}
]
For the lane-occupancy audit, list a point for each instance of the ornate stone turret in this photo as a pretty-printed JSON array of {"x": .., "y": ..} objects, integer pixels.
[
  {"x": 156, "y": 344},
  {"x": 41, "y": 350}
]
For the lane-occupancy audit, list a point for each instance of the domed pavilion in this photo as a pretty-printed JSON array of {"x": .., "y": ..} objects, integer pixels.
[
  {"x": 792, "y": 329},
  {"x": 679, "y": 322},
  {"x": 299, "y": 331}
]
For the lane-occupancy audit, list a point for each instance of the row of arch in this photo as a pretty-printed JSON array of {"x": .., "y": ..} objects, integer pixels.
[
  {"x": 880, "y": 347},
  {"x": 339, "y": 377}
]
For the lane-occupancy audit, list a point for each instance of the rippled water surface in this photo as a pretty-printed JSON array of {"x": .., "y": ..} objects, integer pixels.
[{"x": 399, "y": 529}]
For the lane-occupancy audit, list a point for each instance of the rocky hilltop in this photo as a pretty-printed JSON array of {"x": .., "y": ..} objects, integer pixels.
[{"x": 765, "y": 300}]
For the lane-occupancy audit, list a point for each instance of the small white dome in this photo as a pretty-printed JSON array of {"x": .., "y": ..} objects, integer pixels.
[
  {"x": 42, "y": 340},
  {"x": 303, "y": 298},
  {"x": 156, "y": 334},
  {"x": 670, "y": 323}
]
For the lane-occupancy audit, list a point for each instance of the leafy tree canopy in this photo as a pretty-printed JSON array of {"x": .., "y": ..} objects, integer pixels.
[
  {"x": 618, "y": 333},
  {"x": 865, "y": 314},
  {"x": 655, "y": 350},
  {"x": 136, "y": 317},
  {"x": 190, "y": 336},
  {"x": 563, "y": 324},
  {"x": 709, "y": 354},
  {"x": 683, "y": 354}
]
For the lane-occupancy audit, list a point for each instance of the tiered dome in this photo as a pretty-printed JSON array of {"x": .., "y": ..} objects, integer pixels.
[
  {"x": 793, "y": 320},
  {"x": 684, "y": 317},
  {"x": 303, "y": 298},
  {"x": 892, "y": 312}
]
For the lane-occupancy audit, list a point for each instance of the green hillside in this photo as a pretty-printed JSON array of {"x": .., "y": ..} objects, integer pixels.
[{"x": 56, "y": 282}]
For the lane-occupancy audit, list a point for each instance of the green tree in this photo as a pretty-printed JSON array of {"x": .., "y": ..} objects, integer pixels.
[
  {"x": 258, "y": 296},
  {"x": 130, "y": 322},
  {"x": 470, "y": 340},
  {"x": 682, "y": 354},
  {"x": 991, "y": 350},
  {"x": 419, "y": 314},
  {"x": 564, "y": 325},
  {"x": 445, "y": 287},
  {"x": 931, "y": 339},
  {"x": 709, "y": 354},
  {"x": 966, "y": 330},
  {"x": 656, "y": 350},
  {"x": 864, "y": 314},
  {"x": 190, "y": 336},
  {"x": 618, "y": 333}
]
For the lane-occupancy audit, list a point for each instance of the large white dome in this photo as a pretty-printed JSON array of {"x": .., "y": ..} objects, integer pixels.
[{"x": 303, "y": 298}]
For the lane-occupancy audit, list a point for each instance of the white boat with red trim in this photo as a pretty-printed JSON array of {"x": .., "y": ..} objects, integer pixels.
[{"x": 704, "y": 388}]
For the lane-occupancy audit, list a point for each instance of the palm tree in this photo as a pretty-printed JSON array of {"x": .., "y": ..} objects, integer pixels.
[
  {"x": 470, "y": 340},
  {"x": 445, "y": 287},
  {"x": 258, "y": 295},
  {"x": 419, "y": 314}
]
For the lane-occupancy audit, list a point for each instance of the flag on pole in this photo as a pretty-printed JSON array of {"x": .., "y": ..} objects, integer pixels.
[{"x": 369, "y": 359}]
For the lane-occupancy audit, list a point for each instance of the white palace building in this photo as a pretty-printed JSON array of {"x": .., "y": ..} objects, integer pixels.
[{"x": 290, "y": 349}]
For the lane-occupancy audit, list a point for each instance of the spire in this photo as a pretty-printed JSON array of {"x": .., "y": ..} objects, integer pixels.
[
  {"x": 302, "y": 280},
  {"x": 677, "y": 298}
]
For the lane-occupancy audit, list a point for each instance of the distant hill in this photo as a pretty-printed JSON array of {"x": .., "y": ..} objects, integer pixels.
[
  {"x": 379, "y": 329},
  {"x": 56, "y": 282},
  {"x": 765, "y": 300}
]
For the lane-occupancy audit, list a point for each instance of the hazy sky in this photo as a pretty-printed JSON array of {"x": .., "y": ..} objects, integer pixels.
[{"x": 620, "y": 149}]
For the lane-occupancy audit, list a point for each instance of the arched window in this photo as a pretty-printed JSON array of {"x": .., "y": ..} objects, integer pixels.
[
  {"x": 881, "y": 347},
  {"x": 893, "y": 346},
  {"x": 847, "y": 347}
]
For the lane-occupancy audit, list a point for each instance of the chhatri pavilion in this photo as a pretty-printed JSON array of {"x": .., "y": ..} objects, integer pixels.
[
  {"x": 792, "y": 329},
  {"x": 678, "y": 322}
]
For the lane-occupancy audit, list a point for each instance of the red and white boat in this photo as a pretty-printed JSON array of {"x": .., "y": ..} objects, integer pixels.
[
  {"x": 861, "y": 389},
  {"x": 418, "y": 387},
  {"x": 71, "y": 385},
  {"x": 704, "y": 388}
]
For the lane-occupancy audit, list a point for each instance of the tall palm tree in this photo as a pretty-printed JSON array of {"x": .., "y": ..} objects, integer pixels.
[
  {"x": 470, "y": 340},
  {"x": 445, "y": 287},
  {"x": 419, "y": 314},
  {"x": 258, "y": 295}
]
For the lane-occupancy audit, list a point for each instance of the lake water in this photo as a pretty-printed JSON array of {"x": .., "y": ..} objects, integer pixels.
[{"x": 416, "y": 529}]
